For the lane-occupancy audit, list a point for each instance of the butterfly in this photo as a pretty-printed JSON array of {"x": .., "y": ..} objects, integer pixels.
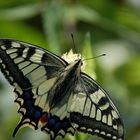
[{"x": 56, "y": 95}]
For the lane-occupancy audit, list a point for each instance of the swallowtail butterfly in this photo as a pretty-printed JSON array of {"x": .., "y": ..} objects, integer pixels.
[{"x": 55, "y": 95}]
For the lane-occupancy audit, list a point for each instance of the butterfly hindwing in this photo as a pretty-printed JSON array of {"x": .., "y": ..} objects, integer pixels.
[
  {"x": 56, "y": 127},
  {"x": 93, "y": 112}
]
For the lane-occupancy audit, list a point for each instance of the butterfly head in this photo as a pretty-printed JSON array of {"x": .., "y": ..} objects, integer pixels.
[
  {"x": 78, "y": 63},
  {"x": 73, "y": 59}
]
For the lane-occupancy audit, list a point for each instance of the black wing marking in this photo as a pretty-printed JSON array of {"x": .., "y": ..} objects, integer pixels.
[
  {"x": 92, "y": 111},
  {"x": 32, "y": 71},
  {"x": 56, "y": 127}
]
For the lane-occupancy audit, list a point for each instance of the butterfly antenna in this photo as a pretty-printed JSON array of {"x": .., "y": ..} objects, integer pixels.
[
  {"x": 73, "y": 42},
  {"x": 95, "y": 57}
]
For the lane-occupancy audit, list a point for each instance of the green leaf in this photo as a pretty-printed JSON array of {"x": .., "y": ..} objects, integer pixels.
[{"x": 87, "y": 53}]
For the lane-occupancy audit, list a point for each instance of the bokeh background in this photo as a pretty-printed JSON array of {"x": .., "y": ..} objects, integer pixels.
[{"x": 99, "y": 26}]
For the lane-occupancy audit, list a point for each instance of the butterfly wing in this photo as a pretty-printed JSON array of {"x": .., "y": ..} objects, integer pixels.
[
  {"x": 58, "y": 127},
  {"x": 30, "y": 60},
  {"x": 92, "y": 111},
  {"x": 32, "y": 71}
]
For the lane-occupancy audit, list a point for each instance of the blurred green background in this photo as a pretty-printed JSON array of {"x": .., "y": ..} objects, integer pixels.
[{"x": 99, "y": 26}]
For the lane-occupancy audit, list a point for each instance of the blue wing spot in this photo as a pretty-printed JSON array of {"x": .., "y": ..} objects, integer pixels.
[
  {"x": 58, "y": 126},
  {"x": 27, "y": 95},
  {"x": 52, "y": 122},
  {"x": 37, "y": 115},
  {"x": 29, "y": 103},
  {"x": 30, "y": 112}
]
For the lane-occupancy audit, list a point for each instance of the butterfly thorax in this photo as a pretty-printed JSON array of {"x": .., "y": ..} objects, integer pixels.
[{"x": 64, "y": 86}]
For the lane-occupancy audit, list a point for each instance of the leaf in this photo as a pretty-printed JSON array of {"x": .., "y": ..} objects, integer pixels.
[{"x": 87, "y": 53}]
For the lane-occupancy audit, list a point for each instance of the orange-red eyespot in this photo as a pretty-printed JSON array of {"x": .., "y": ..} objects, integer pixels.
[{"x": 44, "y": 118}]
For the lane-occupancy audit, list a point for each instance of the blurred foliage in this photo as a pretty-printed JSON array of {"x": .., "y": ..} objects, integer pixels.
[{"x": 114, "y": 28}]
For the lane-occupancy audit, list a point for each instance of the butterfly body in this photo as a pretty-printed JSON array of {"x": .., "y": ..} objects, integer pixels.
[
  {"x": 56, "y": 95},
  {"x": 65, "y": 85}
]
